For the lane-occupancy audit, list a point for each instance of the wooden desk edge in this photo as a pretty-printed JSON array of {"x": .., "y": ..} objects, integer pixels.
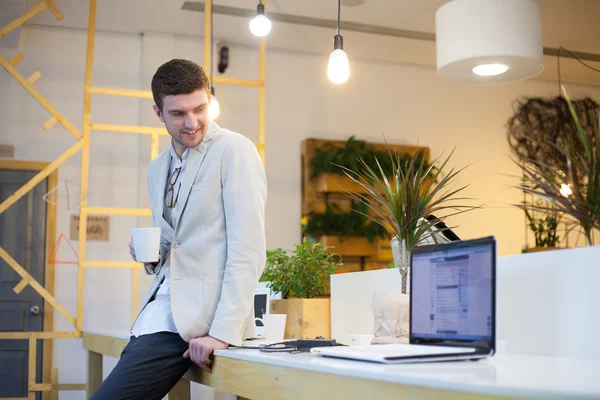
[{"x": 256, "y": 380}]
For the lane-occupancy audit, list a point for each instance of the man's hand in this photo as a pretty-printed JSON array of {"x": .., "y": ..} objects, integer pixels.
[
  {"x": 149, "y": 266},
  {"x": 201, "y": 349}
]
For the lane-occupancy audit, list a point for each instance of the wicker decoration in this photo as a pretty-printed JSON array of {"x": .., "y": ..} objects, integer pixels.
[{"x": 542, "y": 129}]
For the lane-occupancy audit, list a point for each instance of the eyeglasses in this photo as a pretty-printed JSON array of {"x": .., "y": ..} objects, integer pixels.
[{"x": 170, "y": 198}]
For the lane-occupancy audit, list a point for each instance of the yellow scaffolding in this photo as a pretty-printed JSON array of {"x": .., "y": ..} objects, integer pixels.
[{"x": 83, "y": 144}]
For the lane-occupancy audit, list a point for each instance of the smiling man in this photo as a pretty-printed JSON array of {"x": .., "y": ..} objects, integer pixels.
[{"x": 207, "y": 194}]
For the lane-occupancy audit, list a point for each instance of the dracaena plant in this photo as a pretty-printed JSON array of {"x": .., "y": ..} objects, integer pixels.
[
  {"x": 580, "y": 203},
  {"x": 415, "y": 190}
]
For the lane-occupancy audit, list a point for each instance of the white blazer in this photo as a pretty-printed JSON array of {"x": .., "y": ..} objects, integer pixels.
[{"x": 218, "y": 250}]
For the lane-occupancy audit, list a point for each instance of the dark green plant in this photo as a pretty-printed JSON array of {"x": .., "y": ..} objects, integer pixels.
[
  {"x": 343, "y": 224},
  {"x": 329, "y": 155},
  {"x": 333, "y": 158},
  {"x": 581, "y": 175},
  {"x": 544, "y": 228},
  {"x": 543, "y": 225},
  {"x": 305, "y": 273}
]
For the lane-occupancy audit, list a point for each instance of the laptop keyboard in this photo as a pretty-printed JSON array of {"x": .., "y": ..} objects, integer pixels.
[{"x": 400, "y": 350}]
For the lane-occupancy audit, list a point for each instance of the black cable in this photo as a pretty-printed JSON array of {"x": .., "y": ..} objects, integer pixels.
[
  {"x": 572, "y": 56},
  {"x": 558, "y": 68},
  {"x": 578, "y": 59},
  {"x": 295, "y": 346},
  {"x": 282, "y": 347},
  {"x": 338, "y": 27}
]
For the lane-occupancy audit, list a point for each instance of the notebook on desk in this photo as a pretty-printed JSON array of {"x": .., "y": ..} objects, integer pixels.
[{"x": 452, "y": 307}]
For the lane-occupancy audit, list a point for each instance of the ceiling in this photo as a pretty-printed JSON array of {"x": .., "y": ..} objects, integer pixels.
[{"x": 572, "y": 24}]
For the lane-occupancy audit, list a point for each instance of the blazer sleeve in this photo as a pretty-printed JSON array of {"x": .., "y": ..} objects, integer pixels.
[{"x": 244, "y": 199}]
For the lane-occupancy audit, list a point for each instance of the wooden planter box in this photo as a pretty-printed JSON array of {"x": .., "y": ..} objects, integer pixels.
[
  {"x": 350, "y": 246},
  {"x": 538, "y": 249},
  {"x": 334, "y": 183},
  {"x": 306, "y": 318},
  {"x": 384, "y": 250}
]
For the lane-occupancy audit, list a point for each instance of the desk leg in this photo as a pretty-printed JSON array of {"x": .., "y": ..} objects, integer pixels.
[
  {"x": 181, "y": 391},
  {"x": 94, "y": 373}
]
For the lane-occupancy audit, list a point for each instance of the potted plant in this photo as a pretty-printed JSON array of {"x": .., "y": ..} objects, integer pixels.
[
  {"x": 543, "y": 225},
  {"x": 544, "y": 135},
  {"x": 544, "y": 229},
  {"x": 406, "y": 201},
  {"x": 302, "y": 277},
  {"x": 581, "y": 176}
]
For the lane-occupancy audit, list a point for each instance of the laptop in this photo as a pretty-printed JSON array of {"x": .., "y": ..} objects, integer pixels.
[{"x": 452, "y": 307}]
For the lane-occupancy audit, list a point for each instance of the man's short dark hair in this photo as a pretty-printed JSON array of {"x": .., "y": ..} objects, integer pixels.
[{"x": 178, "y": 77}]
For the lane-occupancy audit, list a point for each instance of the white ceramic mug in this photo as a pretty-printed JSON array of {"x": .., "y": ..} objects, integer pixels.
[
  {"x": 146, "y": 243},
  {"x": 274, "y": 326}
]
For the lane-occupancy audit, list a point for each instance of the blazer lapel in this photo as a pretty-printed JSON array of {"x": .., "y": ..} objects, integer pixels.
[
  {"x": 159, "y": 199},
  {"x": 194, "y": 162},
  {"x": 196, "y": 157}
]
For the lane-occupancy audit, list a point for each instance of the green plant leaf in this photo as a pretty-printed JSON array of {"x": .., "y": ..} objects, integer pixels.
[
  {"x": 409, "y": 195},
  {"x": 304, "y": 273}
]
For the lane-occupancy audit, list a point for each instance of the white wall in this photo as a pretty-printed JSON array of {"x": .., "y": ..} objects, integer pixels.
[{"x": 406, "y": 104}]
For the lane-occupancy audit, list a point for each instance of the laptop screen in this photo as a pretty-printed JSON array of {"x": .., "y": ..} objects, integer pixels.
[{"x": 452, "y": 292}]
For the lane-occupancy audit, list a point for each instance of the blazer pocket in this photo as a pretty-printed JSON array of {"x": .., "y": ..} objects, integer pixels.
[
  {"x": 201, "y": 185},
  {"x": 212, "y": 286}
]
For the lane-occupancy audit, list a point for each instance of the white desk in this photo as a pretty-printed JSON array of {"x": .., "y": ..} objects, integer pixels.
[
  {"x": 257, "y": 375},
  {"x": 500, "y": 376},
  {"x": 546, "y": 302}
]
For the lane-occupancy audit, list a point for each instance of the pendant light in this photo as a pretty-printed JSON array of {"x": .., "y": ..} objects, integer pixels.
[
  {"x": 213, "y": 107},
  {"x": 488, "y": 41},
  {"x": 261, "y": 25},
  {"x": 338, "y": 69}
]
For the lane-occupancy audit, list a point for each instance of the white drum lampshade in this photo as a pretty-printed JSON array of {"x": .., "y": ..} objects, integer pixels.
[{"x": 488, "y": 41}]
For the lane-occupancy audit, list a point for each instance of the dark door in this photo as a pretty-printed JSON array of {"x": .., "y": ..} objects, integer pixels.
[{"x": 23, "y": 236}]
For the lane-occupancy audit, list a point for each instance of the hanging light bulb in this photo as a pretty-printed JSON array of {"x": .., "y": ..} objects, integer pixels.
[
  {"x": 260, "y": 25},
  {"x": 213, "y": 108},
  {"x": 338, "y": 69},
  {"x": 565, "y": 190}
]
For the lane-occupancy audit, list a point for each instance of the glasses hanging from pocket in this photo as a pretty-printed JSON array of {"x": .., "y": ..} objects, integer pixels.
[{"x": 170, "y": 196}]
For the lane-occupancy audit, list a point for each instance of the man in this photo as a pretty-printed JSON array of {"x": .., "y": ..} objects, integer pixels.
[{"x": 207, "y": 193}]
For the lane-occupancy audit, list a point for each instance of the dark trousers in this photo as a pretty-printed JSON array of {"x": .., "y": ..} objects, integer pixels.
[{"x": 149, "y": 367}]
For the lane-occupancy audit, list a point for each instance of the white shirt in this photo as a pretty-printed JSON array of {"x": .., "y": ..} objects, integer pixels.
[{"x": 157, "y": 315}]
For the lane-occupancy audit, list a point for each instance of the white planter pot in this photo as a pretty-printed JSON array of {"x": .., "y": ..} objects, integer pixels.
[{"x": 391, "y": 312}]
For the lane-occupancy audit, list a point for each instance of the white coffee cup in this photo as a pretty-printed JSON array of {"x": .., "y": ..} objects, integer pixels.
[
  {"x": 146, "y": 243},
  {"x": 274, "y": 326}
]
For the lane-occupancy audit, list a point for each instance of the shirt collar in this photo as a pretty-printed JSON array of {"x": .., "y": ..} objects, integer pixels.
[
  {"x": 212, "y": 128},
  {"x": 176, "y": 158}
]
